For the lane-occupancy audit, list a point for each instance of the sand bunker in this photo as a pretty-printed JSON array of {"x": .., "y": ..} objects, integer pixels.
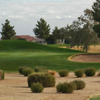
[{"x": 87, "y": 58}]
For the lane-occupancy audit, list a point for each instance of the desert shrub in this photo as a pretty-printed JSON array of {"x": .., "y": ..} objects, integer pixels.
[
  {"x": 79, "y": 84},
  {"x": 21, "y": 69},
  {"x": 65, "y": 87},
  {"x": 98, "y": 73},
  {"x": 59, "y": 87},
  {"x": 32, "y": 78},
  {"x": 74, "y": 85},
  {"x": 2, "y": 75},
  {"x": 90, "y": 71},
  {"x": 63, "y": 73},
  {"x": 52, "y": 72},
  {"x": 46, "y": 80},
  {"x": 37, "y": 88},
  {"x": 40, "y": 69},
  {"x": 79, "y": 73},
  {"x": 27, "y": 71}
]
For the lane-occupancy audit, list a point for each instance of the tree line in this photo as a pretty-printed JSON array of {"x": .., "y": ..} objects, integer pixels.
[{"x": 81, "y": 33}]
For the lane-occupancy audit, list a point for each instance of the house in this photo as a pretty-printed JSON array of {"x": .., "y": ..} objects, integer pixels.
[{"x": 31, "y": 39}]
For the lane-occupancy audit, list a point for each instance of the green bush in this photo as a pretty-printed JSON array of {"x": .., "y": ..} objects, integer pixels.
[
  {"x": 40, "y": 69},
  {"x": 79, "y": 73},
  {"x": 2, "y": 75},
  {"x": 21, "y": 69},
  {"x": 74, "y": 85},
  {"x": 32, "y": 78},
  {"x": 65, "y": 87},
  {"x": 90, "y": 72},
  {"x": 27, "y": 71},
  {"x": 59, "y": 87},
  {"x": 98, "y": 73},
  {"x": 63, "y": 73},
  {"x": 46, "y": 80},
  {"x": 79, "y": 84},
  {"x": 37, "y": 88}
]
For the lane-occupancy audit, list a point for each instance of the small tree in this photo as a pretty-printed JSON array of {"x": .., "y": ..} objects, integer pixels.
[
  {"x": 81, "y": 32},
  {"x": 62, "y": 34},
  {"x": 55, "y": 34},
  {"x": 96, "y": 16},
  {"x": 7, "y": 30},
  {"x": 42, "y": 29}
]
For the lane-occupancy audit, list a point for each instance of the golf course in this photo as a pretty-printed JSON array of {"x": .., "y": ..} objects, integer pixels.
[
  {"x": 20, "y": 53},
  {"x": 17, "y": 53}
]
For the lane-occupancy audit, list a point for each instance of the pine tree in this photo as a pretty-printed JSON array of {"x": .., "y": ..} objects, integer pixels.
[
  {"x": 55, "y": 34},
  {"x": 7, "y": 30},
  {"x": 42, "y": 29}
]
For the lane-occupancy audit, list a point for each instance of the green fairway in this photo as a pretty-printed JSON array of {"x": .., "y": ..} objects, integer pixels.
[
  {"x": 95, "y": 98},
  {"x": 15, "y": 53}
]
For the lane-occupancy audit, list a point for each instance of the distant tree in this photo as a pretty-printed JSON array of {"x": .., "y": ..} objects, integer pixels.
[
  {"x": 42, "y": 29},
  {"x": 62, "y": 34},
  {"x": 96, "y": 16},
  {"x": 81, "y": 32},
  {"x": 7, "y": 30},
  {"x": 50, "y": 39},
  {"x": 55, "y": 34}
]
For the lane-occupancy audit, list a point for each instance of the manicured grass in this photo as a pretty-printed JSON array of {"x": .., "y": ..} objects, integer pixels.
[
  {"x": 15, "y": 53},
  {"x": 95, "y": 98},
  {"x": 59, "y": 45}
]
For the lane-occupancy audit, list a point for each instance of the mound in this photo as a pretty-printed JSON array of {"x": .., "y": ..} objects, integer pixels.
[{"x": 10, "y": 45}]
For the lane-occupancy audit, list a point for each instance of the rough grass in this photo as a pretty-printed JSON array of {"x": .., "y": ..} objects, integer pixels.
[{"x": 16, "y": 53}]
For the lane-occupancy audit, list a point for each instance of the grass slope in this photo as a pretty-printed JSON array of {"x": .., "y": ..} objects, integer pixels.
[{"x": 16, "y": 53}]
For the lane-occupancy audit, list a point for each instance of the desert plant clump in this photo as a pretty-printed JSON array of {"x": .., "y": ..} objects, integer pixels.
[
  {"x": 2, "y": 75},
  {"x": 27, "y": 71},
  {"x": 52, "y": 72},
  {"x": 32, "y": 78},
  {"x": 40, "y": 69},
  {"x": 65, "y": 87},
  {"x": 37, "y": 87},
  {"x": 63, "y": 73},
  {"x": 79, "y": 84},
  {"x": 98, "y": 73},
  {"x": 46, "y": 80},
  {"x": 74, "y": 85},
  {"x": 21, "y": 69},
  {"x": 79, "y": 73},
  {"x": 90, "y": 71}
]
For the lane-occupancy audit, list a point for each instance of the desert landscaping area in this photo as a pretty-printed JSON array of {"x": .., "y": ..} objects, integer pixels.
[{"x": 15, "y": 88}]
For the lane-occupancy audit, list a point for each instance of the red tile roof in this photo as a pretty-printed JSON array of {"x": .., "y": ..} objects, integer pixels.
[{"x": 29, "y": 38}]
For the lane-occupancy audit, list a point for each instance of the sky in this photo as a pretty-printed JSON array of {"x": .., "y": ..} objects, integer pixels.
[{"x": 24, "y": 14}]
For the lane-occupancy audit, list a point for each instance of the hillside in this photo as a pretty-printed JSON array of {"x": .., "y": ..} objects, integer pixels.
[
  {"x": 14, "y": 45},
  {"x": 16, "y": 53}
]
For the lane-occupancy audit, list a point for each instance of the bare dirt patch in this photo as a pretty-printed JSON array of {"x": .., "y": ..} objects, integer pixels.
[
  {"x": 87, "y": 58},
  {"x": 14, "y": 87}
]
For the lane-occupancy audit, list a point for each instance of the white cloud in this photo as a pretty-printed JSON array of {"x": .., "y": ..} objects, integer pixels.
[{"x": 26, "y": 12}]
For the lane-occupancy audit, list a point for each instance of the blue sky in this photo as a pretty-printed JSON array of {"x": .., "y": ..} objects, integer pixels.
[{"x": 24, "y": 14}]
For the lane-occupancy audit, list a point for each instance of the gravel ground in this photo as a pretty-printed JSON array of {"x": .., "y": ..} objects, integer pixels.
[{"x": 14, "y": 87}]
